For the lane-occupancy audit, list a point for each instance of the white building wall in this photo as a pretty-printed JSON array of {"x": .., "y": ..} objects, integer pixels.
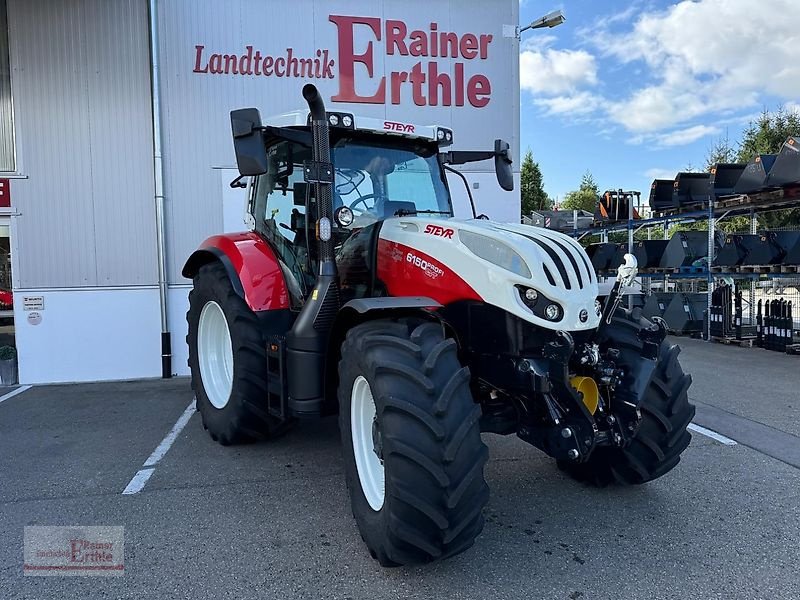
[{"x": 83, "y": 235}]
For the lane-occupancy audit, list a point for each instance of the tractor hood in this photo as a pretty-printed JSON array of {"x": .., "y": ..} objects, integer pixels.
[{"x": 499, "y": 261}]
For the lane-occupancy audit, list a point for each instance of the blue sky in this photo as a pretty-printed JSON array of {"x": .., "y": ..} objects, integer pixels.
[{"x": 636, "y": 90}]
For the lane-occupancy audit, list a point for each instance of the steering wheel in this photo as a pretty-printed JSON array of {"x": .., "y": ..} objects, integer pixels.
[{"x": 363, "y": 199}]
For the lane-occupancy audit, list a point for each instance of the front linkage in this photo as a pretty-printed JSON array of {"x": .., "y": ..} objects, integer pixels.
[{"x": 574, "y": 415}]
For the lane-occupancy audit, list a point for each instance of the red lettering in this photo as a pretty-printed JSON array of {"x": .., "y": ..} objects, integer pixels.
[
  {"x": 395, "y": 36},
  {"x": 230, "y": 63},
  {"x": 198, "y": 59},
  {"x": 280, "y": 65},
  {"x": 246, "y": 62},
  {"x": 451, "y": 40},
  {"x": 486, "y": 39},
  {"x": 439, "y": 231},
  {"x": 469, "y": 46},
  {"x": 267, "y": 66},
  {"x": 478, "y": 90},
  {"x": 257, "y": 63},
  {"x": 398, "y": 78},
  {"x": 419, "y": 43},
  {"x": 459, "y": 68},
  {"x": 348, "y": 59},
  {"x": 215, "y": 64},
  {"x": 436, "y": 80},
  {"x": 417, "y": 81}
]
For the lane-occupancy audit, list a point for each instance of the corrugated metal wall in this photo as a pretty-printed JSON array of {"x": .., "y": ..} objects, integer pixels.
[{"x": 81, "y": 83}]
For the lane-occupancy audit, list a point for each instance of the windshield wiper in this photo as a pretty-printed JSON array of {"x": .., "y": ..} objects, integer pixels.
[{"x": 405, "y": 213}]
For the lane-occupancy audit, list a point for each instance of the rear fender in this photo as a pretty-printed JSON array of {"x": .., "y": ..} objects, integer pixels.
[{"x": 251, "y": 264}]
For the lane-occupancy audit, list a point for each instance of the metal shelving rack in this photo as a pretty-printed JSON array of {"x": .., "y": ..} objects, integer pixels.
[{"x": 715, "y": 211}]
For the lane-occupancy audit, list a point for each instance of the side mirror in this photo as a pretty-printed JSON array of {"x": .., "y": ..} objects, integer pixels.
[
  {"x": 251, "y": 155},
  {"x": 502, "y": 165}
]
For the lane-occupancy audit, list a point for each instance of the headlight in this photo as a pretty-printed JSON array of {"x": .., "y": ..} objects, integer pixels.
[
  {"x": 552, "y": 312},
  {"x": 495, "y": 252}
]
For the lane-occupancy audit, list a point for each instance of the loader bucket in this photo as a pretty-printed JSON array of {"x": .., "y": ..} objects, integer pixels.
[
  {"x": 786, "y": 169},
  {"x": 692, "y": 188},
  {"x": 792, "y": 254},
  {"x": 736, "y": 249},
  {"x": 725, "y": 176},
  {"x": 770, "y": 249},
  {"x": 661, "y": 195},
  {"x": 649, "y": 252},
  {"x": 684, "y": 248},
  {"x": 656, "y": 304},
  {"x": 754, "y": 176},
  {"x": 601, "y": 255},
  {"x": 684, "y": 312}
]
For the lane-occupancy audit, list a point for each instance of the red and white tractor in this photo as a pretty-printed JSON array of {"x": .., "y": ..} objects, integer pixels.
[{"x": 356, "y": 292}]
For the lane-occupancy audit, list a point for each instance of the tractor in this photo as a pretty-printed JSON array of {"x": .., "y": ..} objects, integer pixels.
[{"x": 357, "y": 293}]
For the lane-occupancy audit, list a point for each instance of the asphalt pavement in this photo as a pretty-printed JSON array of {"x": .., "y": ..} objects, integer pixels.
[{"x": 272, "y": 520}]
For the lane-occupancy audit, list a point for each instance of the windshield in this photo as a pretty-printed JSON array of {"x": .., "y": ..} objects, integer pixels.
[{"x": 378, "y": 181}]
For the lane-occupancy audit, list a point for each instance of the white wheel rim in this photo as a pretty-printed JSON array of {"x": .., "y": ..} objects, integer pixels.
[
  {"x": 215, "y": 354},
  {"x": 368, "y": 465}
]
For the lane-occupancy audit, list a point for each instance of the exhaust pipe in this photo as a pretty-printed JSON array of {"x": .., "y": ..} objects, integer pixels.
[{"x": 307, "y": 341}]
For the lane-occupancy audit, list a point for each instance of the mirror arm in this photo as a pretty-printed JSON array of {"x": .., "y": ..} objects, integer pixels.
[
  {"x": 466, "y": 185},
  {"x": 460, "y": 157}
]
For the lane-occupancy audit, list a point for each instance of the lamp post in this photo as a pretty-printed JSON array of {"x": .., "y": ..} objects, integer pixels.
[{"x": 550, "y": 20}]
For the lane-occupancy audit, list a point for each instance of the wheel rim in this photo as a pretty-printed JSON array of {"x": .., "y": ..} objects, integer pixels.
[
  {"x": 215, "y": 354},
  {"x": 368, "y": 463}
]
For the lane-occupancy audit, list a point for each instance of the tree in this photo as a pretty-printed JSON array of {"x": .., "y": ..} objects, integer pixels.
[
  {"x": 585, "y": 197},
  {"x": 766, "y": 136},
  {"x": 768, "y": 133},
  {"x": 532, "y": 186},
  {"x": 722, "y": 151}
]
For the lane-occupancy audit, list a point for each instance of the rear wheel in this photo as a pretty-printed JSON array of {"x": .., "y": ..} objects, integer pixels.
[
  {"x": 228, "y": 360},
  {"x": 666, "y": 413},
  {"x": 412, "y": 448}
]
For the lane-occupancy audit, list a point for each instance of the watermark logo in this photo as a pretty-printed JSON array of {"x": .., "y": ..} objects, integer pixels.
[{"x": 74, "y": 551}]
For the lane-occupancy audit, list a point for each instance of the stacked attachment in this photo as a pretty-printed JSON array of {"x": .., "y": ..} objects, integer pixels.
[
  {"x": 648, "y": 253},
  {"x": 736, "y": 249},
  {"x": 754, "y": 176},
  {"x": 776, "y": 325},
  {"x": 720, "y": 314},
  {"x": 691, "y": 189},
  {"x": 616, "y": 205},
  {"x": 724, "y": 177},
  {"x": 786, "y": 169},
  {"x": 661, "y": 195}
]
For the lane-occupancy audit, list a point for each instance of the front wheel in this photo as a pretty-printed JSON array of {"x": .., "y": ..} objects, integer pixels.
[
  {"x": 412, "y": 448},
  {"x": 228, "y": 361},
  {"x": 666, "y": 413}
]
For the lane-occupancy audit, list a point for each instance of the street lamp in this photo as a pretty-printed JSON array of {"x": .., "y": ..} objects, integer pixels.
[{"x": 552, "y": 19}]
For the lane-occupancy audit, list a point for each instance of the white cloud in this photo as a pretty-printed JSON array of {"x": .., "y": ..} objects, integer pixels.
[
  {"x": 578, "y": 104},
  {"x": 707, "y": 56},
  {"x": 681, "y": 137},
  {"x": 657, "y": 173},
  {"x": 556, "y": 72}
]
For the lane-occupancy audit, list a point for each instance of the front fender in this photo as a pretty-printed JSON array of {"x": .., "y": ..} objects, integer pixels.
[{"x": 252, "y": 266}]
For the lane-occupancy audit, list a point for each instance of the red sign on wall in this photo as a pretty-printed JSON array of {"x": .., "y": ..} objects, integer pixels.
[{"x": 5, "y": 193}]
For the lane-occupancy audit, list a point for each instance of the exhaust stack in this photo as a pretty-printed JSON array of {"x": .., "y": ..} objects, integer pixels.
[{"x": 307, "y": 341}]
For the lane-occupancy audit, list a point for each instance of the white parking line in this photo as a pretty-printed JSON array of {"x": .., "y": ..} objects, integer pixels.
[
  {"x": 140, "y": 479},
  {"x": 137, "y": 483},
  {"x": 165, "y": 444},
  {"x": 712, "y": 434},
  {"x": 16, "y": 392}
]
